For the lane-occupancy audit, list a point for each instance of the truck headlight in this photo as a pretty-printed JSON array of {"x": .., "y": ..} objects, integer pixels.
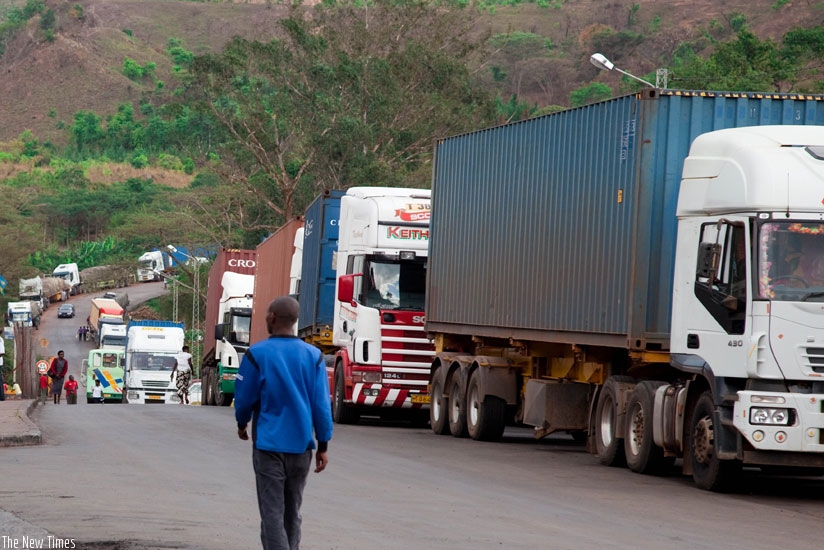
[
  {"x": 771, "y": 417},
  {"x": 134, "y": 395}
]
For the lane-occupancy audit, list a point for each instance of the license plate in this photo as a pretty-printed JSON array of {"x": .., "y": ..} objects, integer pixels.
[
  {"x": 420, "y": 398},
  {"x": 154, "y": 396}
]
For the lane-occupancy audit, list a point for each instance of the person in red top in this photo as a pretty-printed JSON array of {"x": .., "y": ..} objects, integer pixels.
[
  {"x": 71, "y": 390},
  {"x": 58, "y": 370},
  {"x": 44, "y": 387}
]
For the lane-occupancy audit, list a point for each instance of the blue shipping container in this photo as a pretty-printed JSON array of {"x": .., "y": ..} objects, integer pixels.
[
  {"x": 562, "y": 228},
  {"x": 317, "y": 280}
]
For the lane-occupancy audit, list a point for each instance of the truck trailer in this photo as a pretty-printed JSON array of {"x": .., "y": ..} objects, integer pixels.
[
  {"x": 645, "y": 273},
  {"x": 104, "y": 311},
  {"x": 383, "y": 354},
  {"x": 274, "y": 258},
  {"x": 228, "y": 323},
  {"x": 32, "y": 290},
  {"x": 151, "y": 350}
]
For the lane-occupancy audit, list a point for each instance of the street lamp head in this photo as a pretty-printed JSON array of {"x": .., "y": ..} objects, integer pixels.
[
  {"x": 171, "y": 248},
  {"x": 600, "y": 61}
]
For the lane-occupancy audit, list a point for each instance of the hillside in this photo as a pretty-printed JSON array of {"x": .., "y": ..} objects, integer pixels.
[{"x": 81, "y": 68}]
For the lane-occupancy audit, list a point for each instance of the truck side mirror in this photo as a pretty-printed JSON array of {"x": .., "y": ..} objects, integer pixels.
[
  {"x": 709, "y": 256},
  {"x": 346, "y": 287},
  {"x": 219, "y": 331}
]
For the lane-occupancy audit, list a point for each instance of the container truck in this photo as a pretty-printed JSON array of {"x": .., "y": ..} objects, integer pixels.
[
  {"x": 228, "y": 323},
  {"x": 69, "y": 273},
  {"x": 107, "y": 366},
  {"x": 383, "y": 354},
  {"x": 152, "y": 265},
  {"x": 53, "y": 288},
  {"x": 151, "y": 349},
  {"x": 274, "y": 259},
  {"x": 647, "y": 271},
  {"x": 104, "y": 311},
  {"x": 316, "y": 292}
]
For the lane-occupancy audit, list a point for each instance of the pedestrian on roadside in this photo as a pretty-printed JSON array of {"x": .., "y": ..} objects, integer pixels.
[
  {"x": 282, "y": 384},
  {"x": 58, "y": 370},
  {"x": 71, "y": 390},
  {"x": 80, "y": 334},
  {"x": 85, "y": 334},
  {"x": 183, "y": 367},
  {"x": 44, "y": 387},
  {"x": 97, "y": 392}
]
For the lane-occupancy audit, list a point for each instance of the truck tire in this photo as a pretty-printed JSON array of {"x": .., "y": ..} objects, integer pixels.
[
  {"x": 642, "y": 455},
  {"x": 342, "y": 412},
  {"x": 485, "y": 415},
  {"x": 208, "y": 397},
  {"x": 438, "y": 407},
  {"x": 708, "y": 471},
  {"x": 608, "y": 442},
  {"x": 457, "y": 408},
  {"x": 221, "y": 399}
]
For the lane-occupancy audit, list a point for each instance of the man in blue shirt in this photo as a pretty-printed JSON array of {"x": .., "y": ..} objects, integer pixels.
[{"x": 282, "y": 384}]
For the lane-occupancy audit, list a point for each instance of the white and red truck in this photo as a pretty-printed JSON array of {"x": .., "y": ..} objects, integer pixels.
[{"x": 383, "y": 353}]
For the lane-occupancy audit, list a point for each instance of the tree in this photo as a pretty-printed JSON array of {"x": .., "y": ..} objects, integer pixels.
[
  {"x": 591, "y": 93},
  {"x": 352, "y": 95}
]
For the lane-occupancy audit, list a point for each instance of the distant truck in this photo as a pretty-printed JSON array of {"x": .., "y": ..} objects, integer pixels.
[
  {"x": 101, "y": 277},
  {"x": 32, "y": 290},
  {"x": 228, "y": 323},
  {"x": 151, "y": 265},
  {"x": 70, "y": 273},
  {"x": 112, "y": 336},
  {"x": 120, "y": 297},
  {"x": 151, "y": 347},
  {"x": 25, "y": 314},
  {"x": 107, "y": 366},
  {"x": 54, "y": 287},
  {"x": 104, "y": 311},
  {"x": 383, "y": 354}
]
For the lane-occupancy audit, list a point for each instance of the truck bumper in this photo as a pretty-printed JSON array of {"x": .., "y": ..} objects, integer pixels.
[
  {"x": 226, "y": 379},
  {"x": 142, "y": 396},
  {"x": 379, "y": 395},
  {"x": 783, "y": 422}
]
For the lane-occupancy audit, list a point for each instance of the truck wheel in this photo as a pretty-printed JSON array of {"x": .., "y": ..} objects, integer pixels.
[
  {"x": 608, "y": 442},
  {"x": 708, "y": 471},
  {"x": 457, "y": 408},
  {"x": 438, "y": 407},
  {"x": 208, "y": 391},
  {"x": 221, "y": 399},
  {"x": 342, "y": 413},
  {"x": 485, "y": 415},
  {"x": 643, "y": 456}
]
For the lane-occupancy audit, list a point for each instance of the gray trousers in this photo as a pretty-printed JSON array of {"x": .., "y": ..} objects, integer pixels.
[{"x": 280, "y": 479}]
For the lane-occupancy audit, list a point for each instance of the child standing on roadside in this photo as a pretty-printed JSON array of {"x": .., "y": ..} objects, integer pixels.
[
  {"x": 71, "y": 390},
  {"x": 44, "y": 387}
]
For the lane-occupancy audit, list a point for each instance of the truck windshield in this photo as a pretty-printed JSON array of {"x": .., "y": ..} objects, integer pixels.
[
  {"x": 241, "y": 327},
  {"x": 394, "y": 284},
  {"x": 791, "y": 261},
  {"x": 113, "y": 341},
  {"x": 151, "y": 361}
]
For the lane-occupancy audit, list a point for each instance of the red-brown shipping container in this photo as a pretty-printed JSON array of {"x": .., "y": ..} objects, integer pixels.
[
  {"x": 228, "y": 259},
  {"x": 274, "y": 259}
]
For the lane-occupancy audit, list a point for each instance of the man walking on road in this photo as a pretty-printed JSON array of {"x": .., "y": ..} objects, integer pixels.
[{"x": 282, "y": 383}]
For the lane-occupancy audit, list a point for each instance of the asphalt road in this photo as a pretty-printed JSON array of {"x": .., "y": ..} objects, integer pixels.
[{"x": 166, "y": 476}]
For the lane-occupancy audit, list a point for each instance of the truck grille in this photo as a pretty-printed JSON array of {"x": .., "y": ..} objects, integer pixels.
[
  {"x": 406, "y": 356},
  {"x": 813, "y": 359},
  {"x": 154, "y": 384}
]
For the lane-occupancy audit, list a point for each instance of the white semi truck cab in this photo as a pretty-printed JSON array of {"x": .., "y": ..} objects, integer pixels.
[
  {"x": 151, "y": 347},
  {"x": 748, "y": 301},
  {"x": 150, "y": 266},
  {"x": 233, "y": 331},
  {"x": 113, "y": 337},
  {"x": 384, "y": 354},
  {"x": 70, "y": 273}
]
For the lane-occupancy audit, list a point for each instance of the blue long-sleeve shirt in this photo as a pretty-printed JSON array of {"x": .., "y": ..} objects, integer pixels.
[{"x": 282, "y": 383}]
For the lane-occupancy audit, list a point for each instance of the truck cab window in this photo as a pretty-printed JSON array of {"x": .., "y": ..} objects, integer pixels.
[
  {"x": 791, "y": 261},
  {"x": 394, "y": 284},
  {"x": 723, "y": 291}
]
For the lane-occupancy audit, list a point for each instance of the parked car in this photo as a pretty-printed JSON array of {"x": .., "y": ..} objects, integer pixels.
[
  {"x": 65, "y": 310},
  {"x": 195, "y": 392}
]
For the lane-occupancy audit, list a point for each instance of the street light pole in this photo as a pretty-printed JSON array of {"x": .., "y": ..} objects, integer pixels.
[
  {"x": 600, "y": 61},
  {"x": 195, "y": 326}
]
